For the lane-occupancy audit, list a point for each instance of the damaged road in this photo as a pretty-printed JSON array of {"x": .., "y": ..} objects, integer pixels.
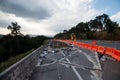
[{"x": 67, "y": 63}]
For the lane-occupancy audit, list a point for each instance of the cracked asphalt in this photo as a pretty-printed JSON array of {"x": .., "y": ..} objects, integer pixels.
[
  {"x": 67, "y": 63},
  {"x": 76, "y": 63}
]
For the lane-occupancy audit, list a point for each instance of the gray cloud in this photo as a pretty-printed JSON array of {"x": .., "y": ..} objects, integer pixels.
[
  {"x": 24, "y": 11},
  {"x": 46, "y": 17},
  {"x": 4, "y": 24}
]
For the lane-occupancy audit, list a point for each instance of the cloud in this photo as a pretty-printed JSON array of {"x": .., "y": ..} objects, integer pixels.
[
  {"x": 4, "y": 31},
  {"x": 116, "y": 17},
  {"x": 28, "y": 26},
  {"x": 70, "y": 13},
  {"x": 25, "y": 8},
  {"x": 47, "y": 17},
  {"x": 4, "y": 19}
]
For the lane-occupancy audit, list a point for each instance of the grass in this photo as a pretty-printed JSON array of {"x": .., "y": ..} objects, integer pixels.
[
  {"x": 46, "y": 42},
  {"x": 4, "y": 65}
]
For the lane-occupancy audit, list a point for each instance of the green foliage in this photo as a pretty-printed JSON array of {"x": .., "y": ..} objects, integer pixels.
[
  {"x": 15, "y": 43},
  {"x": 13, "y": 60},
  {"x": 90, "y": 35},
  {"x": 12, "y": 46},
  {"x": 15, "y": 29},
  {"x": 59, "y": 36},
  {"x": 111, "y": 26},
  {"x": 37, "y": 41},
  {"x": 82, "y": 27},
  {"x": 86, "y": 30}
]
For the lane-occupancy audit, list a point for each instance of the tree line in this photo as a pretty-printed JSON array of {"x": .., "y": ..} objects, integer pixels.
[
  {"x": 16, "y": 43},
  {"x": 86, "y": 30}
]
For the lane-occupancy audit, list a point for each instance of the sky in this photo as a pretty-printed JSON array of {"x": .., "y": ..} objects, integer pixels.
[{"x": 49, "y": 17}]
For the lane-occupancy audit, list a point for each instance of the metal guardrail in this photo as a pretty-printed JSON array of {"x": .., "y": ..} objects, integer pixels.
[{"x": 22, "y": 69}]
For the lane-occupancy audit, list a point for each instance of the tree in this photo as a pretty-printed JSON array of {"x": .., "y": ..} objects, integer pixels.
[
  {"x": 93, "y": 25},
  {"x": 87, "y": 29},
  {"x": 82, "y": 27},
  {"x": 2, "y": 53},
  {"x": 110, "y": 25},
  {"x": 65, "y": 31},
  {"x": 15, "y": 34},
  {"x": 15, "y": 29},
  {"x": 101, "y": 21}
]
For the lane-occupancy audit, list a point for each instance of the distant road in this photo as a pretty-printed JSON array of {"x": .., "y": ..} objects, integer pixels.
[{"x": 114, "y": 44}]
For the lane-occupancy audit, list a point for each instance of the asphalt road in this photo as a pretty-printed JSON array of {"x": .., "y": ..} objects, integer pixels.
[
  {"x": 114, "y": 44},
  {"x": 110, "y": 69},
  {"x": 67, "y": 64}
]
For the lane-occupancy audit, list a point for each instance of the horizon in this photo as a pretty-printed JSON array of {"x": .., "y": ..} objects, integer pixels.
[{"x": 51, "y": 17}]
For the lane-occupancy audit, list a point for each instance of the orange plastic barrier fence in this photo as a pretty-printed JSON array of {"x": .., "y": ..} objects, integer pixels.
[
  {"x": 89, "y": 47},
  {"x": 83, "y": 45},
  {"x": 95, "y": 48},
  {"x": 94, "y": 42},
  {"x": 86, "y": 45},
  {"x": 80, "y": 44},
  {"x": 110, "y": 51},
  {"x": 75, "y": 43},
  {"x": 116, "y": 55},
  {"x": 101, "y": 49}
]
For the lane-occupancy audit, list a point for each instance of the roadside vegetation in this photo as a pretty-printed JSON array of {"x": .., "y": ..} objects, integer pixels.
[
  {"x": 14, "y": 46},
  {"x": 100, "y": 28},
  {"x": 13, "y": 60}
]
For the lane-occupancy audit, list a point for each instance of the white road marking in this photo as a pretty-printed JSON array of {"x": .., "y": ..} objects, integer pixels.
[
  {"x": 76, "y": 72},
  {"x": 97, "y": 66},
  {"x": 47, "y": 64},
  {"x": 98, "y": 60}
]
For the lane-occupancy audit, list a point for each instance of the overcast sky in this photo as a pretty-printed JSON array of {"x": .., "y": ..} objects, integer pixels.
[{"x": 48, "y": 17}]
